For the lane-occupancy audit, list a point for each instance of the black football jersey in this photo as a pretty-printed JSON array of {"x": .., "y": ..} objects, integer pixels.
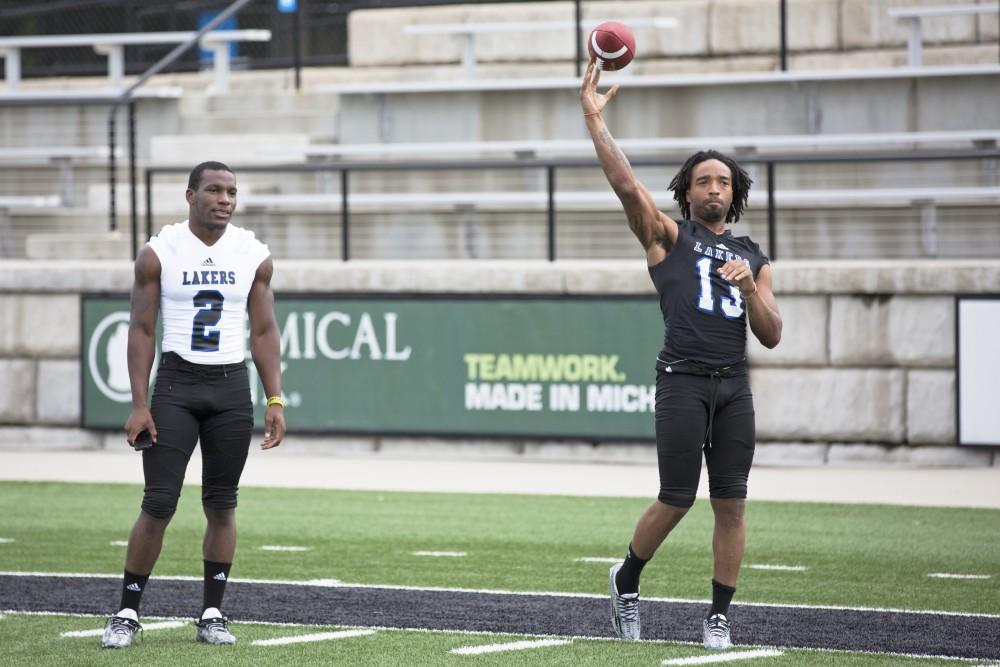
[{"x": 704, "y": 316}]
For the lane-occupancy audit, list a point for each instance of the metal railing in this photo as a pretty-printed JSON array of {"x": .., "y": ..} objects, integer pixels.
[
  {"x": 551, "y": 167},
  {"x": 126, "y": 98}
]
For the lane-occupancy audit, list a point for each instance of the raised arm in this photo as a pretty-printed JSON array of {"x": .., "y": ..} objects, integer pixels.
[
  {"x": 142, "y": 341},
  {"x": 655, "y": 230},
  {"x": 265, "y": 349}
]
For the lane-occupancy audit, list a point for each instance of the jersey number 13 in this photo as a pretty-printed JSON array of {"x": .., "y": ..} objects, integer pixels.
[{"x": 731, "y": 306}]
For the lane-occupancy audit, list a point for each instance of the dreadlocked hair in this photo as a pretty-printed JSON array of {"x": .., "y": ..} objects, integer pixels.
[{"x": 741, "y": 183}]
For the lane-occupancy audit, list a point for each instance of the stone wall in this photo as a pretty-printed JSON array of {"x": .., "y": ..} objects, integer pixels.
[
  {"x": 735, "y": 34},
  {"x": 865, "y": 371}
]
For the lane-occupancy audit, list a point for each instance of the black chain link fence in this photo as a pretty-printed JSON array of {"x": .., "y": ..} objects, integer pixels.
[{"x": 323, "y": 32}]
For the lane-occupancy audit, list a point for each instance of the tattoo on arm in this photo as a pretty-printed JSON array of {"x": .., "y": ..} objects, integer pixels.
[
  {"x": 635, "y": 224},
  {"x": 616, "y": 152},
  {"x": 648, "y": 234}
]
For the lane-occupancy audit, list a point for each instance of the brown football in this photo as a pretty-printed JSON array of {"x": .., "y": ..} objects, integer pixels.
[{"x": 612, "y": 44}]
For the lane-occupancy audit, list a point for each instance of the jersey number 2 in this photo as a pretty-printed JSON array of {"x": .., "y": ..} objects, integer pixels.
[
  {"x": 210, "y": 303},
  {"x": 732, "y": 306}
]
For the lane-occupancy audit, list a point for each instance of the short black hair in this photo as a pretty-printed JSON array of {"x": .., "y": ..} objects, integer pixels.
[
  {"x": 741, "y": 182},
  {"x": 194, "y": 179}
]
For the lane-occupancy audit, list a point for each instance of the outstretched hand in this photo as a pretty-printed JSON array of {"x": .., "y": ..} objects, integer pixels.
[{"x": 592, "y": 101}]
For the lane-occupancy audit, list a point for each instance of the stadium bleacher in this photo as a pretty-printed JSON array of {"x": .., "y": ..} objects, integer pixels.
[
  {"x": 113, "y": 46},
  {"x": 468, "y": 31},
  {"x": 350, "y": 114},
  {"x": 914, "y": 17},
  {"x": 669, "y": 145}
]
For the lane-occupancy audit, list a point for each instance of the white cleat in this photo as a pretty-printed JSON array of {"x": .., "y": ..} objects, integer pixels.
[
  {"x": 214, "y": 631},
  {"x": 716, "y": 633},
  {"x": 624, "y": 609},
  {"x": 119, "y": 632}
]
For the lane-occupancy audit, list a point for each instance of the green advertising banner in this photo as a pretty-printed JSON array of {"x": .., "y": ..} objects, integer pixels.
[
  {"x": 106, "y": 393},
  {"x": 548, "y": 366}
]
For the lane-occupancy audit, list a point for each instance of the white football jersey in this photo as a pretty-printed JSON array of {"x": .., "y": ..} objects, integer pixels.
[{"x": 203, "y": 291}]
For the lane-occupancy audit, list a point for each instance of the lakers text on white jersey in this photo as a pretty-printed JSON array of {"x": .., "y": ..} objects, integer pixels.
[{"x": 203, "y": 291}]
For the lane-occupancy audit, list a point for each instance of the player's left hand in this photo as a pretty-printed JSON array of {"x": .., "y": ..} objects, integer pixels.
[
  {"x": 738, "y": 273},
  {"x": 274, "y": 427}
]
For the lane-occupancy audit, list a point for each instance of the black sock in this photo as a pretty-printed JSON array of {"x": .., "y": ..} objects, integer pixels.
[
  {"x": 627, "y": 580},
  {"x": 216, "y": 576},
  {"x": 132, "y": 588},
  {"x": 722, "y": 595}
]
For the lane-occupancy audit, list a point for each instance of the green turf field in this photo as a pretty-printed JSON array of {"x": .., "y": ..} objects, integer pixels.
[
  {"x": 20, "y": 635},
  {"x": 854, "y": 555}
]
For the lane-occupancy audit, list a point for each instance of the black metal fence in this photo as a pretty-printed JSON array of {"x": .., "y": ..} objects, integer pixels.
[{"x": 551, "y": 168}]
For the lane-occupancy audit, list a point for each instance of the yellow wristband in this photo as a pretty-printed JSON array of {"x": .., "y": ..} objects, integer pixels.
[{"x": 275, "y": 400}]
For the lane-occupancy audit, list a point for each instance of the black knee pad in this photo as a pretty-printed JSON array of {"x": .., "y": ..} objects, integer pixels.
[
  {"x": 672, "y": 497},
  {"x": 159, "y": 504},
  {"x": 729, "y": 493},
  {"x": 727, "y": 487},
  {"x": 218, "y": 498}
]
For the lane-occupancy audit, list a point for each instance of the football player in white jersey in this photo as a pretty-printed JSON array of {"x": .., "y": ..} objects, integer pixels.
[{"x": 202, "y": 276}]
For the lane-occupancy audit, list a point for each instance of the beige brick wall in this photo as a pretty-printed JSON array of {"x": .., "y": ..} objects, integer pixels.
[
  {"x": 39, "y": 326},
  {"x": 885, "y": 330},
  {"x": 865, "y": 371},
  {"x": 930, "y": 406},
  {"x": 17, "y": 391},
  {"x": 827, "y": 404}
]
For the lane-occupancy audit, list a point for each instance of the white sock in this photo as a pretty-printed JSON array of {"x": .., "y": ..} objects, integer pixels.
[
  {"x": 211, "y": 612},
  {"x": 129, "y": 614}
]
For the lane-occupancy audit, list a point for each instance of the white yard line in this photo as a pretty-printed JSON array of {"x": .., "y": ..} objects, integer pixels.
[
  {"x": 440, "y": 554},
  {"x": 89, "y": 575},
  {"x": 278, "y": 547},
  {"x": 165, "y": 625},
  {"x": 780, "y": 568},
  {"x": 509, "y": 646},
  {"x": 119, "y": 543},
  {"x": 480, "y": 633},
  {"x": 6, "y": 540},
  {"x": 317, "y": 637},
  {"x": 597, "y": 559},
  {"x": 723, "y": 657},
  {"x": 334, "y": 583},
  {"x": 946, "y": 575}
]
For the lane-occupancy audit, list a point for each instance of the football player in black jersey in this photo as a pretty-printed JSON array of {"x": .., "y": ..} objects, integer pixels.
[{"x": 710, "y": 285}]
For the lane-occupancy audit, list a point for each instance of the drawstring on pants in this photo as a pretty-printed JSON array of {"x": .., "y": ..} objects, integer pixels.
[
  {"x": 716, "y": 373},
  {"x": 716, "y": 376}
]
